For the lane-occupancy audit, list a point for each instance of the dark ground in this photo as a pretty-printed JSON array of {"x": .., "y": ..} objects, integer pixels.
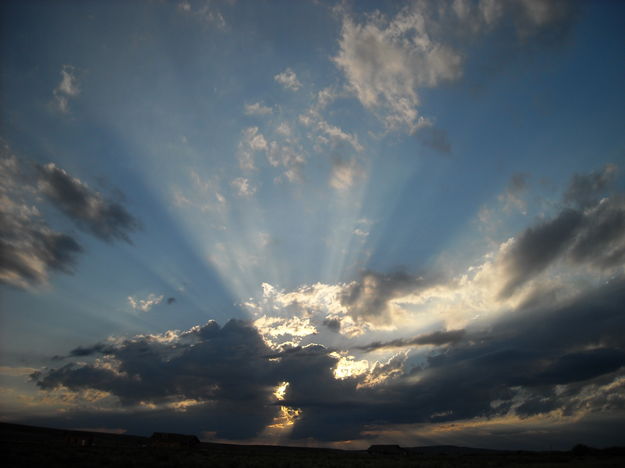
[{"x": 28, "y": 446}]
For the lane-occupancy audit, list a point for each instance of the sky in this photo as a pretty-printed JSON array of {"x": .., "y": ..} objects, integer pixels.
[{"x": 315, "y": 223}]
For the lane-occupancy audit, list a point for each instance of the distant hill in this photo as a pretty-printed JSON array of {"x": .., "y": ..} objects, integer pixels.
[{"x": 24, "y": 445}]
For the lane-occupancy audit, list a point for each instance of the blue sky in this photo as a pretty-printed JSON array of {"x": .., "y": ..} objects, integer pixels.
[{"x": 212, "y": 207}]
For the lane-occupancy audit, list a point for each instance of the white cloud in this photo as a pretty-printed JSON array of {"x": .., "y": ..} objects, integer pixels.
[
  {"x": 257, "y": 108},
  {"x": 284, "y": 129},
  {"x": 295, "y": 327},
  {"x": 288, "y": 158},
  {"x": 244, "y": 187},
  {"x": 288, "y": 79},
  {"x": 336, "y": 134},
  {"x": 387, "y": 61},
  {"x": 345, "y": 174},
  {"x": 144, "y": 305},
  {"x": 251, "y": 142},
  {"x": 66, "y": 89}
]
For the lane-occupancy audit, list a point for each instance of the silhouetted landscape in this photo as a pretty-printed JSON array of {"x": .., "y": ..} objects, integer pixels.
[{"x": 37, "y": 446}]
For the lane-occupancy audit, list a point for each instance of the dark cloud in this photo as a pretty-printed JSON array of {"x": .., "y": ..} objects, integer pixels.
[
  {"x": 369, "y": 297},
  {"x": 537, "y": 247},
  {"x": 585, "y": 189},
  {"x": 587, "y": 231},
  {"x": 103, "y": 218},
  {"x": 29, "y": 248},
  {"x": 333, "y": 324},
  {"x": 568, "y": 356},
  {"x": 544, "y": 359},
  {"x": 222, "y": 369},
  {"x": 27, "y": 252},
  {"x": 437, "y": 338}
]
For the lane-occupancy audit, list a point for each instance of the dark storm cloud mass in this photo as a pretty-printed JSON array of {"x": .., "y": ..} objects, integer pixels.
[
  {"x": 222, "y": 368},
  {"x": 568, "y": 356},
  {"x": 103, "y": 218},
  {"x": 437, "y": 338}
]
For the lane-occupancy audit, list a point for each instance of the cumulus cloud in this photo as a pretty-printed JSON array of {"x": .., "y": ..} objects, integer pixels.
[
  {"x": 257, "y": 108},
  {"x": 288, "y": 79},
  {"x": 67, "y": 88},
  {"x": 103, "y": 218},
  {"x": 144, "y": 305}
]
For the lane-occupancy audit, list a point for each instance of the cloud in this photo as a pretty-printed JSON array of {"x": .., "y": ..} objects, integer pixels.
[
  {"x": 144, "y": 305},
  {"x": 386, "y": 61},
  {"x": 333, "y": 324},
  {"x": 251, "y": 142},
  {"x": 221, "y": 369},
  {"x": 595, "y": 237},
  {"x": 345, "y": 174},
  {"x": 584, "y": 189},
  {"x": 103, "y": 218},
  {"x": 243, "y": 187},
  {"x": 288, "y": 79},
  {"x": 289, "y": 158},
  {"x": 257, "y": 109},
  {"x": 437, "y": 338},
  {"x": 371, "y": 298},
  {"x": 67, "y": 88},
  {"x": 568, "y": 366},
  {"x": 29, "y": 248}
]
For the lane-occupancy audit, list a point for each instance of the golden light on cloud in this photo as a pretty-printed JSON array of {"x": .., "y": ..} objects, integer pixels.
[
  {"x": 347, "y": 367},
  {"x": 280, "y": 391},
  {"x": 286, "y": 418}
]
